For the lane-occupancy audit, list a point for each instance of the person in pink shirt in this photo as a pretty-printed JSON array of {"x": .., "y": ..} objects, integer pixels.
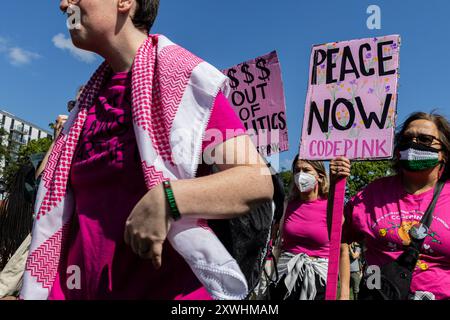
[
  {"x": 383, "y": 214},
  {"x": 117, "y": 234},
  {"x": 303, "y": 262}
]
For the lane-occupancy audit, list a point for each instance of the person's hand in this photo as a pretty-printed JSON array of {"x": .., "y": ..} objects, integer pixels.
[
  {"x": 147, "y": 226},
  {"x": 59, "y": 124},
  {"x": 339, "y": 168},
  {"x": 350, "y": 248}
]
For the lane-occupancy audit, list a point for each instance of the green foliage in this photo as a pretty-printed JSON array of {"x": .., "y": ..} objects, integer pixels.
[
  {"x": 25, "y": 151},
  {"x": 4, "y": 152},
  {"x": 364, "y": 172},
  {"x": 287, "y": 177},
  {"x": 35, "y": 146}
]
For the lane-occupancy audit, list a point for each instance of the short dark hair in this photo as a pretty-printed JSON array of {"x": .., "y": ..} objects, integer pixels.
[
  {"x": 442, "y": 125},
  {"x": 145, "y": 14}
]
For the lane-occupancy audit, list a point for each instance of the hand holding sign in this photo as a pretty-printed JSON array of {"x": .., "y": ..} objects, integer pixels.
[
  {"x": 350, "y": 110},
  {"x": 339, "y": 168}
]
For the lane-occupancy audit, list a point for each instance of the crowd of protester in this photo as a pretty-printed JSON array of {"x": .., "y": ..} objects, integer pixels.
[{"x": 142, "y": 228}]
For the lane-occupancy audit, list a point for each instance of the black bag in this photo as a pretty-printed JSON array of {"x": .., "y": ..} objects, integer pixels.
[
  {"x": 246, "y": 238},
  {"x": 395, "y": 277},
  {"x": 31, "y": 182},
  {"x": 275, "y": 291}
]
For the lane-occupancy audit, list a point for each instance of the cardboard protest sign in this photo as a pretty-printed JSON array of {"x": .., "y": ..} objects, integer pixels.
[
  {"x": 257, "y": 96},
  {"x": 351, "y": 101}
]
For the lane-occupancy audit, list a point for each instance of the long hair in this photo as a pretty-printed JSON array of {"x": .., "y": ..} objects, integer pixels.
[
  {"x": 443, "y": 127},
  {"x": 321, "y": 171},
  {"x": 16, "y": 214}
]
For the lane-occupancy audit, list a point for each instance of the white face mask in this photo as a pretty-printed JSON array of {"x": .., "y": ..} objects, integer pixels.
[{"x": 305, "y": 182}]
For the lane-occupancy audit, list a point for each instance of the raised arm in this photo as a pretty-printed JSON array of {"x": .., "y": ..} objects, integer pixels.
[{"x": 59, "y": 124}]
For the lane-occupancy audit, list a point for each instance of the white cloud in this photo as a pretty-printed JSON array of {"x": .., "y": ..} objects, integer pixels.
[
  {"x": 16, "y": 56},
  {"x": 63, "y": 43}
]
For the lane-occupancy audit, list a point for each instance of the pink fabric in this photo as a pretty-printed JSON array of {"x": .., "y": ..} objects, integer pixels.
[
  {"x": 150, "y": 117},
  {"x": 107, "y": 181},
  {"x": 305, "y": 228},
  {"x": 335, "y": 238},
  {"x": 373, "y": 216}
]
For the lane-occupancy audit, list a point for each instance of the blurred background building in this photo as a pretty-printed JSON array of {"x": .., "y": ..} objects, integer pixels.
[{"x": 16, "y": 132}]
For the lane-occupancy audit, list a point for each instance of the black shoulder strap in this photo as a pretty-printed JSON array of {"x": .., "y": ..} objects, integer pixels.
[
  {"x": 410, "y": 255},
  {"x": 278, "y": 194},
  {"x": 428, "y": 215},
  {"x": 427, "y": 218}
]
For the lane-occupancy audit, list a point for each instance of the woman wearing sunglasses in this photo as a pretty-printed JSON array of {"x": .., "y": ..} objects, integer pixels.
[{"x": 388, "y": 212}]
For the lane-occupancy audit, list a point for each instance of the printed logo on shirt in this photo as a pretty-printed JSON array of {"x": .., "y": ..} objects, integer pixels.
[
  {"x": 104, "y": 133},
  {"x": 394, "y": 230}
]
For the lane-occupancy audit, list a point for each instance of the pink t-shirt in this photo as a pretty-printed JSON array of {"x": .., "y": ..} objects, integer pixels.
[
  {"x": 373, "y": 216},
  {"x": 305, "y": 228},
  {"x": 107, "y": 181}
]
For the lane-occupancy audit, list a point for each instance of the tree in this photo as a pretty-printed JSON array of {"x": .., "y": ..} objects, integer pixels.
[
  {"x": 4, "y": 152},
  {"x": 5, "y": 157},
  {"x": 24, "y": 154},
  {"x": 35, "y": 146},
  {"x": 364, "y": 172},
  {"x": 286, "y": 176}
]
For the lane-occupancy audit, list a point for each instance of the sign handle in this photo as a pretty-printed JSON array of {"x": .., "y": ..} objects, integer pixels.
[{"x": 335, "y": 213}]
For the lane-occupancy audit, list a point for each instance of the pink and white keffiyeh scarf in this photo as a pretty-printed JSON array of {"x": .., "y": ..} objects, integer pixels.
[{"x": 173, "y": 92}]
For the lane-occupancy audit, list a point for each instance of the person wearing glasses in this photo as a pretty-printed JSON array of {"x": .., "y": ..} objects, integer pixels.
[
  {"x": 383, "y": 213},
  {"x": 72, "y": 103}
]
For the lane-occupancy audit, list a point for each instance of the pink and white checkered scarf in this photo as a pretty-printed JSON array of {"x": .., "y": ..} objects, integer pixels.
[{"x": 173, "y": 92}]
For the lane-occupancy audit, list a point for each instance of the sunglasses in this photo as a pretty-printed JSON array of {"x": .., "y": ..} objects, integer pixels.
[{"x": 424, "y": 139}]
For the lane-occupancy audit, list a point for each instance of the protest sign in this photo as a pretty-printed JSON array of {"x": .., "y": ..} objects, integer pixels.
[
  {"x": 257, "y": 96},
  {"x": 351, "y": 101},
  {"x": 350, "y": 111}
]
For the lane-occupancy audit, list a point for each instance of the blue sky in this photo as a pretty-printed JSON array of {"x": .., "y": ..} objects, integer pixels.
[{"x": 39, "y": 73}]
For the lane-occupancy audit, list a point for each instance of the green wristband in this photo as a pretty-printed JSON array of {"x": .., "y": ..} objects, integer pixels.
[{"x": 174, "y": 212}]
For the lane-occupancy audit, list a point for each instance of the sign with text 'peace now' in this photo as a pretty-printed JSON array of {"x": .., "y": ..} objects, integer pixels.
[{"x": 351, "y": 100}]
